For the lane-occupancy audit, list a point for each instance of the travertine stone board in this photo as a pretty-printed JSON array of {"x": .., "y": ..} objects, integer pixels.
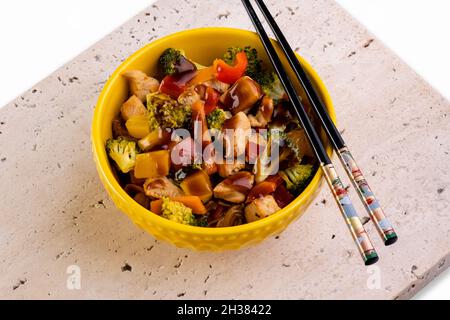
[{"x": 55, "y": 214}]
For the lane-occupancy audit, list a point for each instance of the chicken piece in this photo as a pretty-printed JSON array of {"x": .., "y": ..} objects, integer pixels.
[
  {"x": 263, "y": 115},
  {"x": 217, "y": 85},
  {"x": 300, "y": 143},
  {"x": 261, "y": 208},
  {"x": 240, "y": 131},
  {"x": 242, "y": 95},
  {"x": 161, "y": 187},
  {"x": 228, "y": 169},
  {"x": 141, "y": 84},
  {"x": 132, "y": 107},
  {"x": 182, "y": 154},
  {"x": 235, "y": 188},
  {"x": 188, "y": 97},
  {"x": 256, "y": 146}
]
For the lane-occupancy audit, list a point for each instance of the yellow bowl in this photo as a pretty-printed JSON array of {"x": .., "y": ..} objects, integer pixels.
[{"x": 202, "y": 45}]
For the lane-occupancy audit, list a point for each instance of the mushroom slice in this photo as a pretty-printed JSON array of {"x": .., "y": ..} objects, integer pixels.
[
  {"x": 263, "y": 115},
  {"x": 161, "y": 187},
  {"x": 119, "y": 129},
  {"x": 141, "y": 84},
  {"x": 142, "y": 199},
  {"x": 261, "y": 208},
  {"x": 235, "y": 188},
  {"x": 233, "y": 217},
  {"x": 242, "y": 95}
]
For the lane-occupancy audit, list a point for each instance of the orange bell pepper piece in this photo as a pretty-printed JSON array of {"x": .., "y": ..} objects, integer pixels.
[
  {"x": 203, "y": 75},
  {"x": 198, "y": 184},
  {"x": 192, "y": 202},
  {"x": 152, "y": 164}
]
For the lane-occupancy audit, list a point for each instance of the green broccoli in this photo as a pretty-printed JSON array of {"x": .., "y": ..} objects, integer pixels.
[
  {"x": 174, "y": 116},
  {"x": 273, "y": 87},
  {"x": 170, "y": 59},
  {"x": 216, "y": 119},
  {"x": 174, "y": 61},
  {"x": 202, "y": 221},
  {"x": 230, "y": 54},
  {"x": 123, "y": 152},
  {"x": 167, "y": 113},
  {"x": 297, "y": 177},
  {"x": 277, "y": 133},
  {"x": 177, "y": 212}
]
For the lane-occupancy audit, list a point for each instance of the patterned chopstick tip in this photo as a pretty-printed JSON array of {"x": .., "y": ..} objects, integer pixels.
[
  {"x": 365, "y": 246},
  {"x": 383, "y": 226}
]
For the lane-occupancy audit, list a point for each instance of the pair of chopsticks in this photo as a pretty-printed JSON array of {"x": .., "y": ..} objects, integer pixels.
[{"x": 356, "y": 227}]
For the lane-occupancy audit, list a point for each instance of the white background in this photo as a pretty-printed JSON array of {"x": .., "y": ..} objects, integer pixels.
[{"x": 39, "y": 36}]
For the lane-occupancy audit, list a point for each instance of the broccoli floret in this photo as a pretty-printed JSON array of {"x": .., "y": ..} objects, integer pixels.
[
  {"x": 177, "y": 212},
  {"x": 216, "y": 119},
  {"x": 170, "y": 59},
  {"x": 174, "y": 116},
  {"x": 154, "y": 102},
  {"x": 202, "y": 221},
  {"x": 174, "y": 61},
  {"x": 277, "y": 134},
  {"x": 167, "y": 113},
  {"x": 297, "y": 177},
  {"x": 123, "y": 152},
  {"x": 230, "y": 54},
  {"x": 273, "y": 88}
]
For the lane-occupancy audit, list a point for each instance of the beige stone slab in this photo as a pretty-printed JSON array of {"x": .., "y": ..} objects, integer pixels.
[{"x": 54, "y": 212}]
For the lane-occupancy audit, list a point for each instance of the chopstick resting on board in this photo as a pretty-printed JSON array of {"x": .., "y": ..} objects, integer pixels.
[
  {"x": 355, "y": 226},
  {"x": 376, "y": 213}
]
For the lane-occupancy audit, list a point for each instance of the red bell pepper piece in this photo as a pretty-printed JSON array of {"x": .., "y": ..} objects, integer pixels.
[
  {"x": 277, "y": 179},
  {"x": 230, "y": 74},
  {"x": 171, "y": 87},
  {"x": 174, "y": 85},
  {"x": 212, "y": 98},
  {"x": 265, "y": 188},
  {"x": 282, "y": 196},
  {"x": 262, "y": 189}
]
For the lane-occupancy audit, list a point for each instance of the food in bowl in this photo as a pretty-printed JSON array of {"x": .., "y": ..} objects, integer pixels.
[{"x": 210, "y": 146}]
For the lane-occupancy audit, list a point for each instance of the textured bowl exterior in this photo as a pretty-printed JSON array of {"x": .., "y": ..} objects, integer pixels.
[{"x": 201, "y": 45}]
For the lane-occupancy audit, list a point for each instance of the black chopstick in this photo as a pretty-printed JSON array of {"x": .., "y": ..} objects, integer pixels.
[
  {"x": 383, "y": 226},
  {"x": 349, "y": 213}
]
